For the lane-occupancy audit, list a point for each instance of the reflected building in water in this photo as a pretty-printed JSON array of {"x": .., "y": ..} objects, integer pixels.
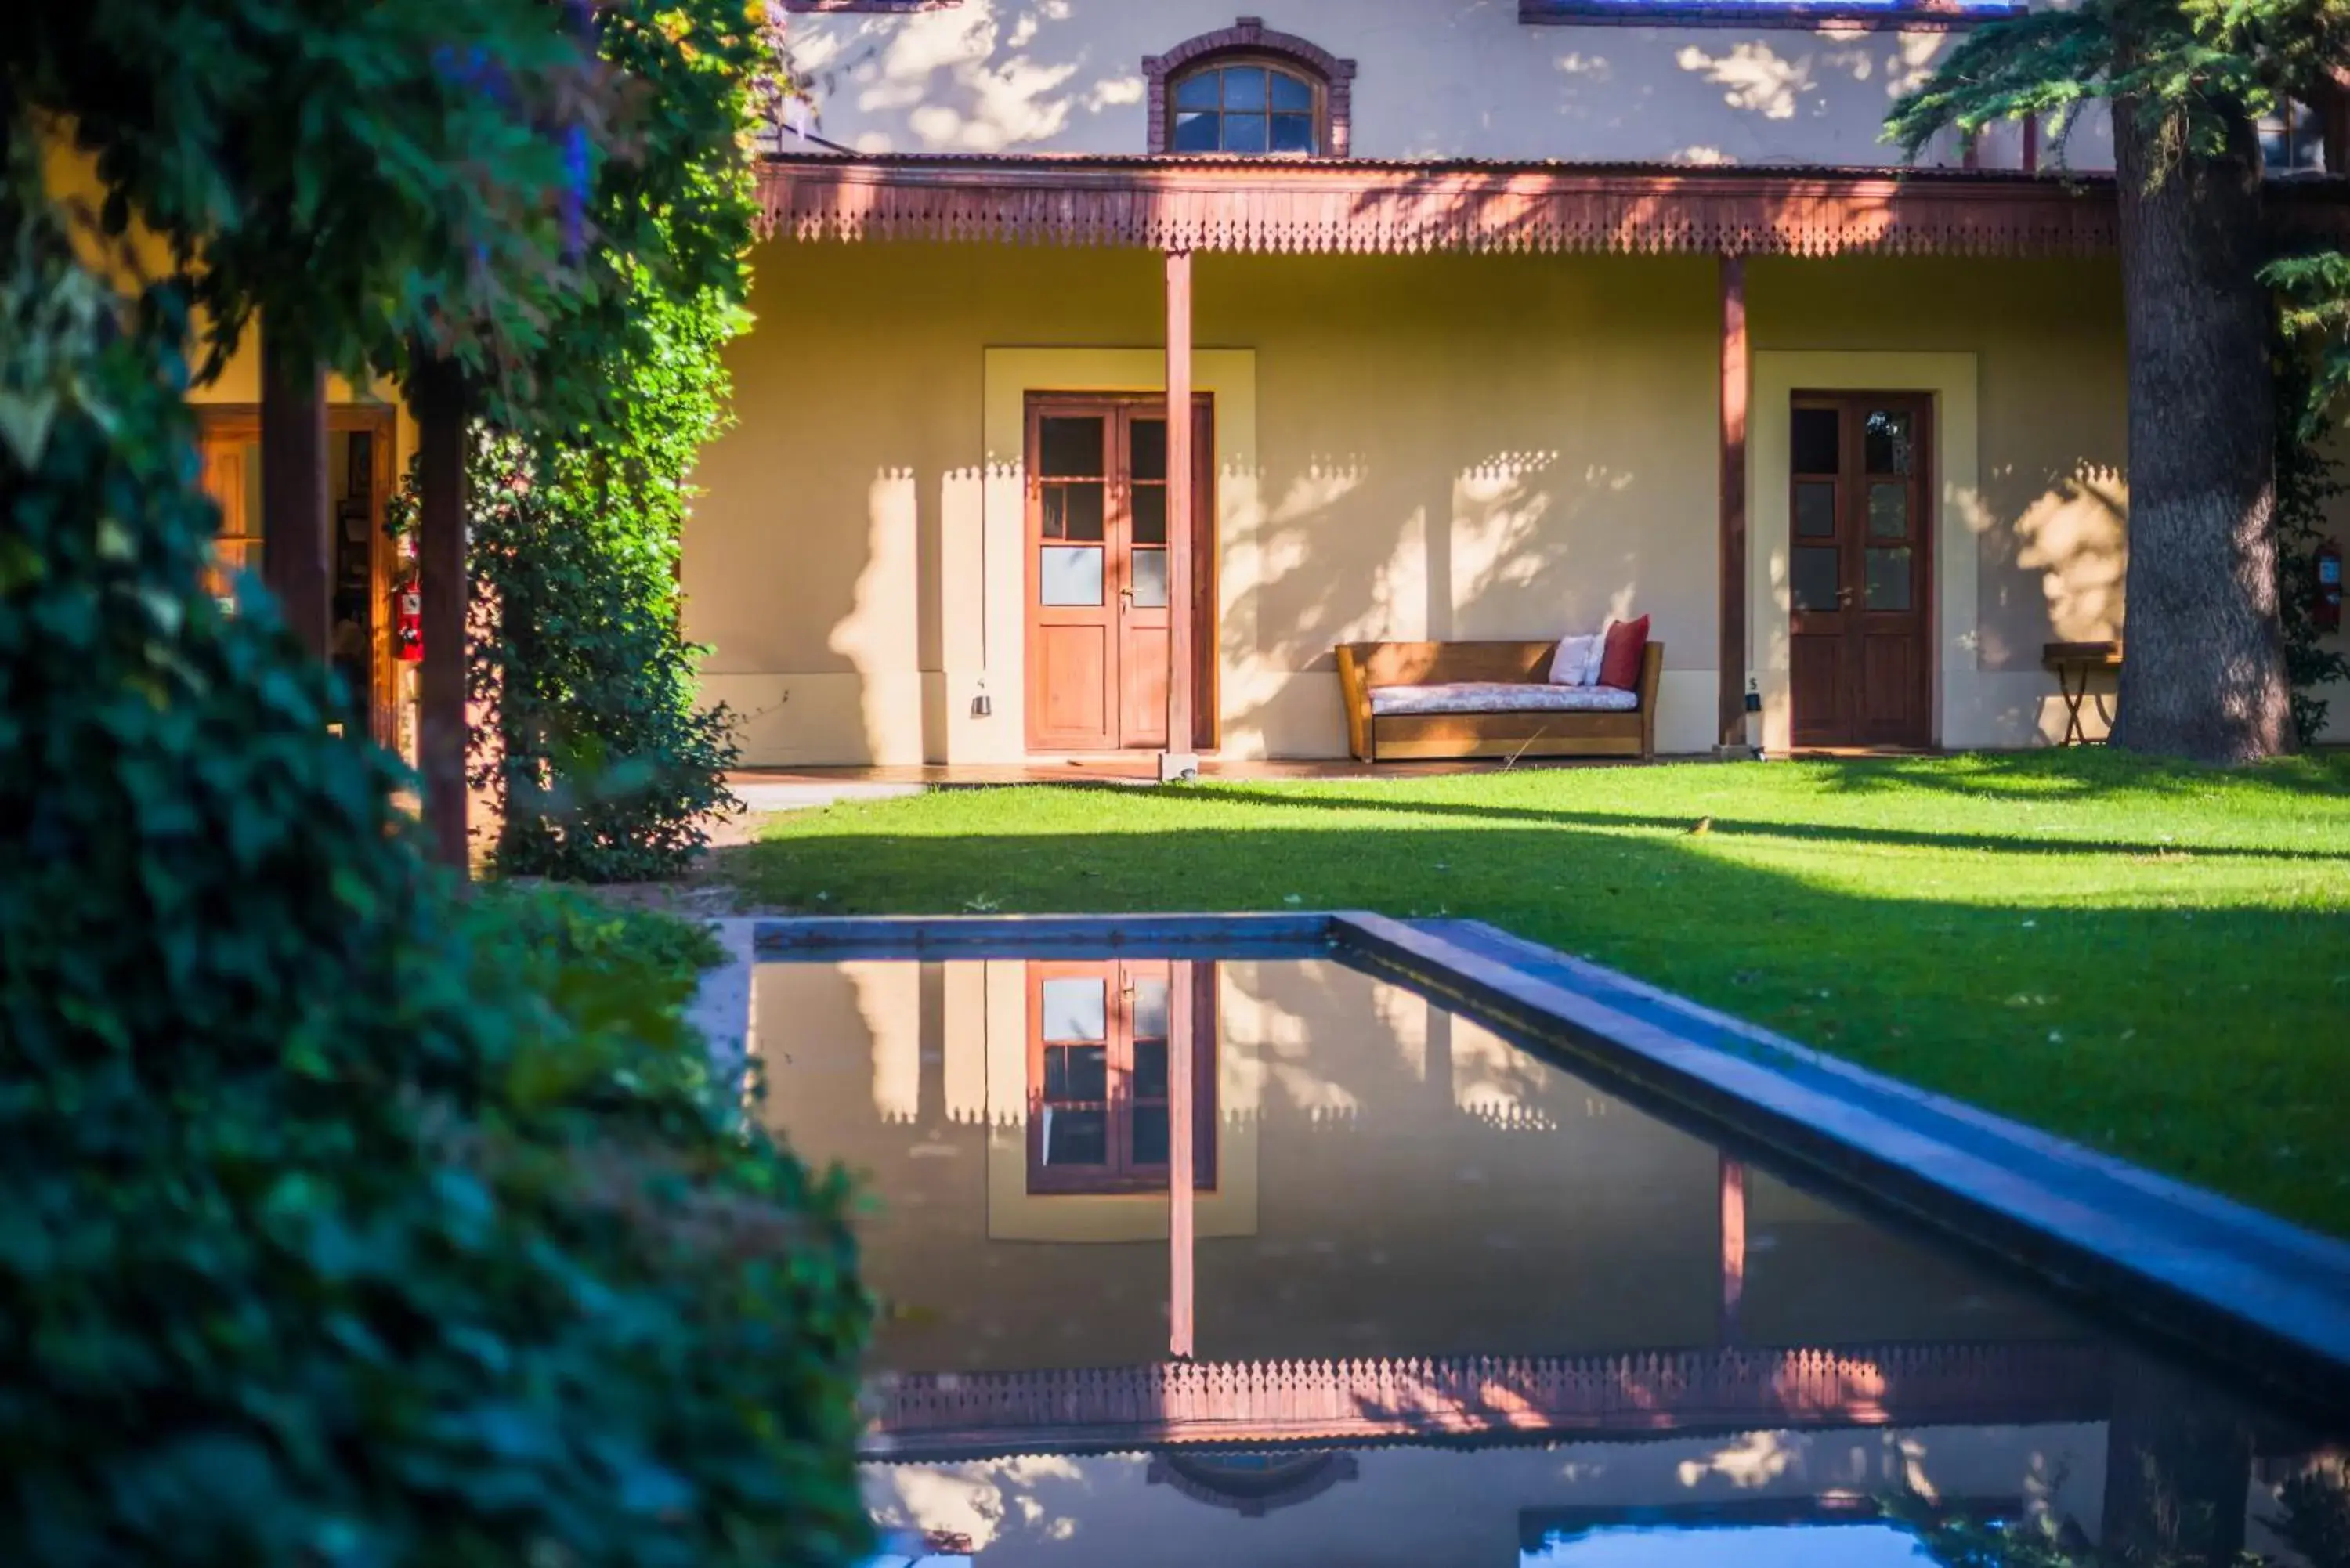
[{"x": 1272, "y": 1261}]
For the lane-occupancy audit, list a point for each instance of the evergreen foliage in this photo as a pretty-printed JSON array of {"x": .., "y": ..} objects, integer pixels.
[
  {"x": 2190, "y": 78},
  {"x": 2308, "y": 481},
  {"x": 343, "y": 1222}
]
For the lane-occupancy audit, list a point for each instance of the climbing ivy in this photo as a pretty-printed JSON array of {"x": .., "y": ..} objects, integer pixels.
[
  {"x": 2308, "y": 481},
  {"x": 344, "y": 1222}
]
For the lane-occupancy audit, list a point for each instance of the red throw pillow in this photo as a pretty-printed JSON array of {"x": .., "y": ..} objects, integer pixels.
[{"x": 1628, "y": 645}]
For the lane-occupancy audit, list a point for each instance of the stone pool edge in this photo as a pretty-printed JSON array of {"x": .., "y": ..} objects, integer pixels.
[{"x": 2227, "y": 1283}]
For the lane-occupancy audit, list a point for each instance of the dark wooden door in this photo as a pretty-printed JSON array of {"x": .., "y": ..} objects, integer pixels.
[
  {"x": 1098, "y": 573},
  {"x": 1860, "y": 570}
]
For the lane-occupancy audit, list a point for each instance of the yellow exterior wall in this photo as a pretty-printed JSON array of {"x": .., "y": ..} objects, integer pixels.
[
  {"x": 1408, "y": 446},
  {"x": 1468, "y": 81}
]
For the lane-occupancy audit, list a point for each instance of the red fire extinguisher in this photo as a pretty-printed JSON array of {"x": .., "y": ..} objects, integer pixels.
[
  {"x": 2327, "y": 611},
  {"x": 408, "y": 622}
]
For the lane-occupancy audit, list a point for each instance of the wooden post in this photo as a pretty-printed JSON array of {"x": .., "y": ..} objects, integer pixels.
[
  {"x": 1183, "y": 1020},
  {"x": 1733, "y": 1246},
  {"x": 437, "y": 396},
  {"x": 1735, "y": 393},
  {"x": 1178, "y": 759},
  {"x": 294, "y": 491}
]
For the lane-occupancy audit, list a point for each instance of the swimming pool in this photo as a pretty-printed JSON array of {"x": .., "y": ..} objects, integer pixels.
[{"x": 1254, "y": 1241}]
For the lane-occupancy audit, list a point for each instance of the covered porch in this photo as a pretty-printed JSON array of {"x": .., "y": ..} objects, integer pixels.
[{"x": 1435, "y": 403}]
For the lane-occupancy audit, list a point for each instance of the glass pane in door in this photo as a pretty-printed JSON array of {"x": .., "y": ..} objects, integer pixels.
[
  {"x": 1887, "y": 444},
  {"x": 1150, "y": 580},
  {"x": 1077, "y": 1009},
  {"x": 1814, "y": 578},
  {"x": 1819, "y": 441},
  {"x": 1888, "y": 511},
  {"x": 1072, "y": 575},
  {"x": 1815, "y": 509},
  {"x": 1072, "y": 447},
  {"x": 1889, "y": 579}
]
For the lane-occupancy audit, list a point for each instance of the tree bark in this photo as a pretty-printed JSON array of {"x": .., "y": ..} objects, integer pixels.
[
  {"x": 2204, "y": 674},
  {"x": 2179, "y": 1469}
]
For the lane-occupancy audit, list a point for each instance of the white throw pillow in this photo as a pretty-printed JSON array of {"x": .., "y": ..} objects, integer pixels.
[{"x": 1577, "y": 662}]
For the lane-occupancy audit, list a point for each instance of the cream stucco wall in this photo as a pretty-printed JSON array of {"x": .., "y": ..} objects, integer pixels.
[
  {"x": 1462, "y": 80},
  {"x": 1408, "y": 446}
]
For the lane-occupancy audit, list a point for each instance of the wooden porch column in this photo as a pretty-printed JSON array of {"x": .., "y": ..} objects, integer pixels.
[
  {"x": 1178, "y": 759},
  {"x": 1735, "y": 394},
  {"x": 437, "y": 396},
  {"x": 294, "y": 490},
  {"x": 1733, "y": 1246},
  {"x": 1182, "y": 1332}
]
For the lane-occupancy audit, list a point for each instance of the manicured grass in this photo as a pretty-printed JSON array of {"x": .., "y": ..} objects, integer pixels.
[{"x": 2153, "y": 959}]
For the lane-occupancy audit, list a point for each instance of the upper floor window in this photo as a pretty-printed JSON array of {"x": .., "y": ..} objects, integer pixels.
[
  {"x": 1248, "y": 91},
  {"x": 1252, "y": 107},
  {"x": 2293, "y": 139}
]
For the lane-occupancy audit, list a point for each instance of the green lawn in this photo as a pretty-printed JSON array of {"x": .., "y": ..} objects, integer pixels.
[{"x": 2155, "y": 961}]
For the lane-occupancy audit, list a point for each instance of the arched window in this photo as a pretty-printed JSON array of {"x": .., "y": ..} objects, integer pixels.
[
  {"x": 1248, "y": 106},
  {"x": 1246, "y": 91}
]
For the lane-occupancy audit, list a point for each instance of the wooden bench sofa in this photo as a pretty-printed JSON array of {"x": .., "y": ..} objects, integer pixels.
[{"x": 1506, "y": 725}]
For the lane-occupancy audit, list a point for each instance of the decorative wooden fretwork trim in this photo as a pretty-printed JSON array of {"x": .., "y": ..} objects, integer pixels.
[
  {"x": 1249, "y": 35},
  {"x": 1922, "y": 16},
  {"x": 1638, "y": 1392},
  {"x": 1252, "y": 206},
  {"x": 884, "y": 7}
]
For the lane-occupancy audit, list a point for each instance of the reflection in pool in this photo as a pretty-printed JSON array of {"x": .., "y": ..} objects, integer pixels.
[{"x": 1270, "y": 1261}]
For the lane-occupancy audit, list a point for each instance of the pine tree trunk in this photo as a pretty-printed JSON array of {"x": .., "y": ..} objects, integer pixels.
[{"x": 2204, "y": 677}]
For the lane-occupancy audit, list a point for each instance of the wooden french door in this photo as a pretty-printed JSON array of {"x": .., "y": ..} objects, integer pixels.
[
  {"x": 1100, "y": 1089},
  {"x": 1860, "y": 569},
  {"x": 361, "y": 471},
  {"x": 1097, "y": 579}
]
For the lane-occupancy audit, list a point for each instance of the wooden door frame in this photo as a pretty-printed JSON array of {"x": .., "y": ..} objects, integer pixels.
[
  {"x": 1205, "y": 535},
  {"x": 1925, "y": 566},
  {"x": 241, "y": 422}
]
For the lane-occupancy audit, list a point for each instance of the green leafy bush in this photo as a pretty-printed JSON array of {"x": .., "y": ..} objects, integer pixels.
[
  {"x": 341, "y": 1222},
  {"x": 602, "y": 762}
]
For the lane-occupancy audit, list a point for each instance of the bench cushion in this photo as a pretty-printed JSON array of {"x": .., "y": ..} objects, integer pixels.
[{"x": 1497, "y": 697}]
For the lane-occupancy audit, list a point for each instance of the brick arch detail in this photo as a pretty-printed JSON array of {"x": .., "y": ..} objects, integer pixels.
[{"x": 1250, "y": 35}]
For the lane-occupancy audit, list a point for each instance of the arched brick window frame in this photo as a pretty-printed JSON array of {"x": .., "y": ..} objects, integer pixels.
[{"x": 1251, "y": 37}]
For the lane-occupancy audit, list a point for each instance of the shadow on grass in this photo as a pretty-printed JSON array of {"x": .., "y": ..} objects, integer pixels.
[
  {"x": 1374, "y": 799},
  {"x": 2206, "y": 1043}
]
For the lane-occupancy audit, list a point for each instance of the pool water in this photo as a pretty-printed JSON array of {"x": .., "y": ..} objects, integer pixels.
[{"x": 1268, "y": 1260}]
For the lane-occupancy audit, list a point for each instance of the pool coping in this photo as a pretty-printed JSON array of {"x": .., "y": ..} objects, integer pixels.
[{"x": 2226, "y": 1284}]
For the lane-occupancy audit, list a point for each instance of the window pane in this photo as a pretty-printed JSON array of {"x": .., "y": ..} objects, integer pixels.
[
  {"x": 1150, "y": 514},
  {"x": 1148, "y": 441},
  {"x": 1074, "y": 511},
  {"x": 1077, "y": 1009},
  {"x": 1150, "y": 1010},
  {"x": 1072, "y": 575},
  {"x": 1072, "y": 449},
  {"x": 1292, "y": 93},
  {"x": 1150, "y": 1069},
  {"x": 1079, "y": 1073},
  {"x": 1150, "y": 1135},
  {"x": 1889, "y": 579},
  {"x": 1292, "y": 134},
  {"x": 1244, "y": 88},
  {"x": 1887, "y": 446},
  {"x": 1150, "y": 580},
  {"x": 1817, "y": 444},
  {"x": 1196, "y": 91},
  {"x": 1815, "y": 510},
  {"x": 1196, "y": 132},
  {"x": 1888, "y": 511},
  {"x": 1075, "y": 1137},
  {"x": 1244, "y": 133},
  {"x": 1815, "y": 578},
  {"x": 2276, "y": 142},
  {"x": 2307, "y": 141}
]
